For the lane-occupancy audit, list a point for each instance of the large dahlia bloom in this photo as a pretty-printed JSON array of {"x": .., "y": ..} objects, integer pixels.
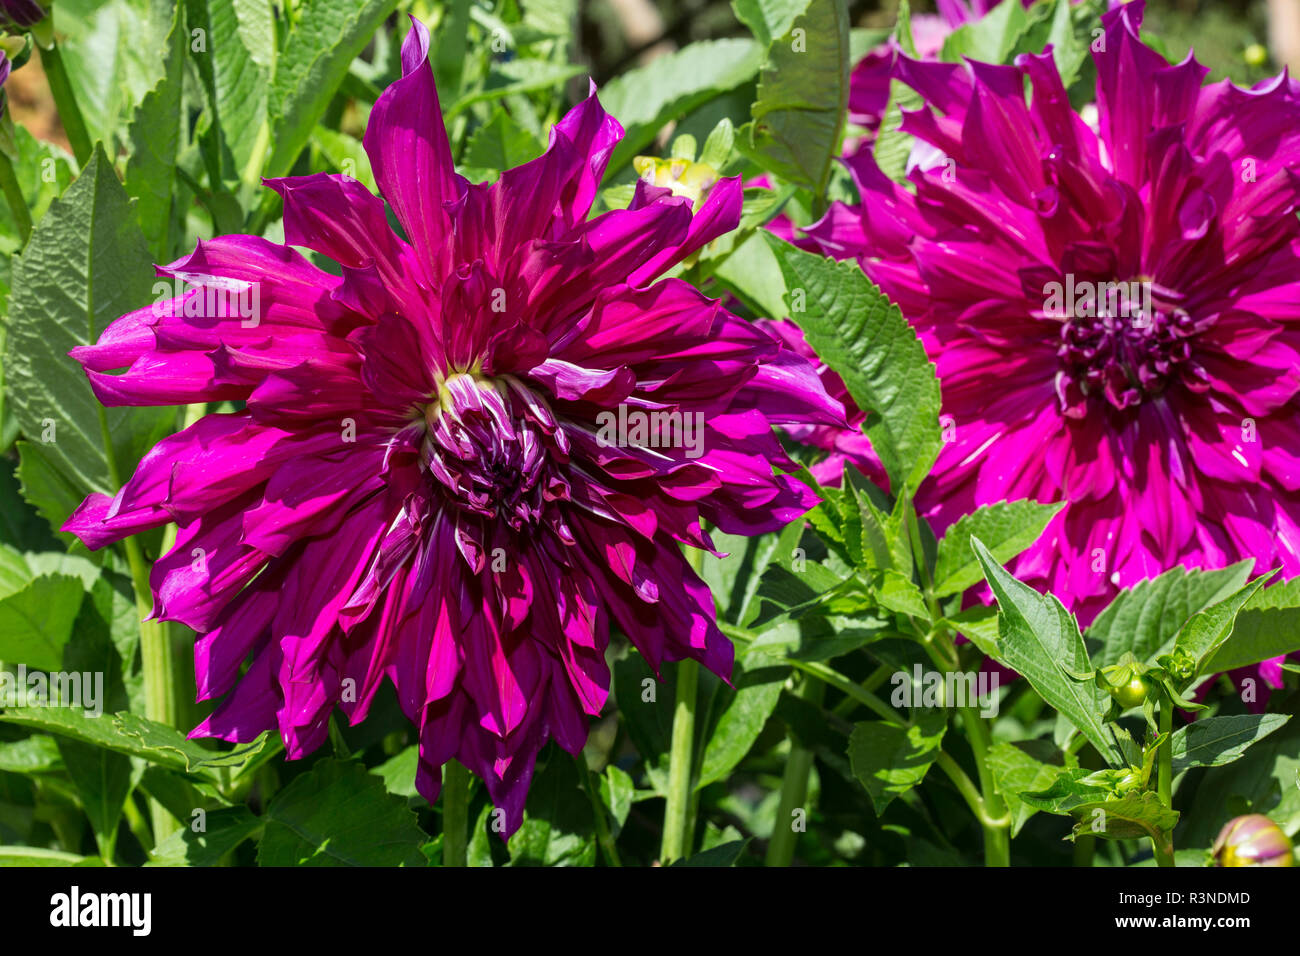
[
  {"x": 1171, "y": 431},
  {"x": 425, "y": 482}
]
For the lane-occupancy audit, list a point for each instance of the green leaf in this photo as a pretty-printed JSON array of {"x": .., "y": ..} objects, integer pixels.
[
  {"x": 725, "y": 854},
  {"x": 113, "y": 52},
  {"x": 35, "y": 754},
  {"x": 167, "y": 745},
  {"x": 989, "y": 39},
  {"x": 1008, "y": 527},
  {"x": 155, "y": 136},
  {"x": 1215, "y": 741},
  {"x": 768, "y": 19},
  {"x": 1145, "y": 619},
  {"x": 617, "y": 792},
  {"x": 339, "y": 815},
  {"x": 883, "y": 540},
  {"x": 43, "y": 171},
  {"x": 21, "y": 527},
  {"x": 1267, "y": 627},
  {"x": 36, "y": 621},
  {"x": 557, "y": 828},
  {"x": 1015, "y": 772},
  {"x": 53, "y": 495},
  {"x": 979, "y": 625},
  {"x": 132, "y": 735},
  {"x": 803, "y": 92},
  {"x": 103, "y": 782},
  {"x": 1206, "y": 630},
  {"x": 751, "y": 272},
  {"x": 646, "y": 98},
  {"x": 890, "y": 760},
  {"x": 899, "y": 594},
  {"x": 398, "y": 772},
  {"x": 1265, "y": 780},
  {"x": 346, "y": 154},
  {"x": 1040, "y": 639},
  {"x": 1069, "y": 48},
  {"x": 15, "y": 574},
  {"x": 223, "y": 831},
  {"x": 26, "y": 856},
  {"x": 501, "y": 144},
  {"x": 517, "y": 76},
  {"x": 86, "y": 265},
  {"x": 327, "y": 37},
  {"x": 863, "y": 336},
  {"x": 1130, "y": 817},
  {"x": 744, "y": 713}
]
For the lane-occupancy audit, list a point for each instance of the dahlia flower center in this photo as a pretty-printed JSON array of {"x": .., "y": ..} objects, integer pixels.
[
  {"x": 1122, "y": 342},
  {"x": 487, "y": 452}
]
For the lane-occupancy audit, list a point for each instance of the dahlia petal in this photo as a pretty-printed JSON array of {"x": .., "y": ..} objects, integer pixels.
[{"x": 409, "y": 152}]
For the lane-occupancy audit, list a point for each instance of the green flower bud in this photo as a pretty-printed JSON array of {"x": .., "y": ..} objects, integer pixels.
[
  {"x": 1252, "y": 840},
  {"x": 1126, "y": 684}
]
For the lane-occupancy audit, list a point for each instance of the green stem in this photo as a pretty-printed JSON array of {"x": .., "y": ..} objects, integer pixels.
[
  {"x": 834, "y": 678},
  {"x": 680, "y": 771},
  {"x": 135, "y": 820},
  {"x": 1085, "y": 848},
  {"x": 969, "y": 792},
  {"x": 66, "y": 103},
  {"x": 591, "y": 784},
  {"x": 455, "y": 814},
  {"x": 794, "y": 788},
  {"x": 997, "y": 825},
  {"x": 918, "y": 558},
  {"x": 874, "y": 680},
  {"x": 14, "y": 196},
  {"x": 1164, "y": 849},
  {"x": 1165, "y": 758}
]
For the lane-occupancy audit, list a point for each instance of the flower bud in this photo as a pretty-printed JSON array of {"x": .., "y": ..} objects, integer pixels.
[
  {"x": 1126, "y": 684},
  {"x": 1252, "y": 840}
]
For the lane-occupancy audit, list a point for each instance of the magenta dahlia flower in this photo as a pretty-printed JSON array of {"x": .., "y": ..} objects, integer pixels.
[
  {"x": 1114, "y": 314},
  {"x": 460, "y": 462},
  {"x": 20, "y": 14}
]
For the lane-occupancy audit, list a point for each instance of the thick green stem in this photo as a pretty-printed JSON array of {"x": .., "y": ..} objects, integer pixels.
[
  {"x": 794, "y": 788},
  {"x": 1165, "y": 758},
  {"x": 455, "y": 814},
  {"x": 1085, "y": 848},
  {"x": 997, "y": 824},
  {"x": 591, "y": 783},
  {"x": 1164, "y": 849},
  {"x": 680, "y": 771},
  {"x": 66, "y": 103},
  {"x": 14, "y": 196}
]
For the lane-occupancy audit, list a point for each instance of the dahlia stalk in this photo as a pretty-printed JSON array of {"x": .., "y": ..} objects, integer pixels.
[{"x": 424, "y": 483}]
